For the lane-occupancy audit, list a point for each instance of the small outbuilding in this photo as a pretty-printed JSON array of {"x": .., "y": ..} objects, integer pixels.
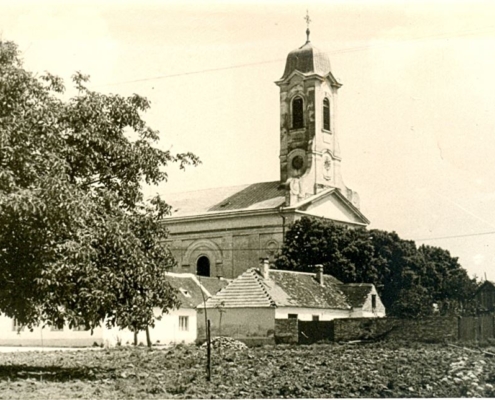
[
  {"x": 249, "y": 306},
  {"x": 485, "y": 297}
]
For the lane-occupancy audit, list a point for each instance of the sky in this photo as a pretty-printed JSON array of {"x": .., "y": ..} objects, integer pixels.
[{"x": 416, "y": 116}]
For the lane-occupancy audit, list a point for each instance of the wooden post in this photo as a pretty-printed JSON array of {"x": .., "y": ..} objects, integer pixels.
[{"x": 208, "y": 352}]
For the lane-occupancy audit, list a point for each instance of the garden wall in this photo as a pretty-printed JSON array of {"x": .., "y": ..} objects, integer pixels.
[
  {"x": 286, "y": 331},
  {"x": 434, "y": 329}
]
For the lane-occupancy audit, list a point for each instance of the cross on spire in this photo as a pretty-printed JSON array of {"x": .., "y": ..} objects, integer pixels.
[{"x": 308, "y": 21}]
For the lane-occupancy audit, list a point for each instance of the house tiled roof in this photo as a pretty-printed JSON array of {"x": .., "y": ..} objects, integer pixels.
[
  {"x": 256, "y": 196},
  {"x": 189, "y": 289},
  {"x": 247, "y": 290},
  {"x": 289, "y": 289},
  {"x": 213, "y": 285},
  {"x": 299, "y": 289},
  {"x": 356, "y": 293}
]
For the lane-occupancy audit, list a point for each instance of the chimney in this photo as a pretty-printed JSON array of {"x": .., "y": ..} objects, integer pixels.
[
  {"x": 265, "y": 268},
  {"x": 319, "y": 274}
]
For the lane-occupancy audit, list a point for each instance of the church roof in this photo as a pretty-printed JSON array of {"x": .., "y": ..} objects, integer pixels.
[
  {"x": 256, "y": 196},
  {"x": 307, "y": 59}
]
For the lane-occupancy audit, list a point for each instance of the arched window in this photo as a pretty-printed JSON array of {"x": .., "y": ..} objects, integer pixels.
[
  {"x": 297, "y": 113},
  {"x": 326, "y": 114},
  {"x": 203, "y": 266}
]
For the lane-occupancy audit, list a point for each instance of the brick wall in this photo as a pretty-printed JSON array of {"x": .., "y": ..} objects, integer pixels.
[
  {"x": 435, "y": 329},
  {"x": 286, "y": 331}
]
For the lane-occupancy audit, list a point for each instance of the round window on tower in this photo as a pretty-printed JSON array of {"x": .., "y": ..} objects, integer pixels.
[{"x": 297, "y": 162}]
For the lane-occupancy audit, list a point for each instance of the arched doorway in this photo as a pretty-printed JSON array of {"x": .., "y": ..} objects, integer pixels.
[{"x": 203, "y": 266}]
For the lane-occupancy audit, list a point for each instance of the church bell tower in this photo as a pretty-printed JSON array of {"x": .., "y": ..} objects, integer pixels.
[{"x": 309, "y": 149}]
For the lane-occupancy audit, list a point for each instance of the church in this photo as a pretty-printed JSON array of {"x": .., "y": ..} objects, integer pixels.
[{"x": 222, "y": 232}]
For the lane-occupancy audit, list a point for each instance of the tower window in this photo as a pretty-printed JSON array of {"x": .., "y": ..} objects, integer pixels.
[
  {"x": 326, "y": 114},
  {"x": 297, "y": 113},
  {"x": 203, "y": 266}
]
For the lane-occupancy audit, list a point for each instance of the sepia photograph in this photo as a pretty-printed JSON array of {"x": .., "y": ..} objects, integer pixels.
[{"x": 247, "y": 199}]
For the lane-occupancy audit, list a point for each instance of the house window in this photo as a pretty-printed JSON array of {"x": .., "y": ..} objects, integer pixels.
[
  {"x": 316, "y": 317},
  {"x": 326, "y": 114},
  {"x": 292, "y": 316},
  {"x": 183, "y": 323},
  {"x": 373, "y": 301},
  {"x": 16, "y": 326},
  {"x": 297, "y": 113}
]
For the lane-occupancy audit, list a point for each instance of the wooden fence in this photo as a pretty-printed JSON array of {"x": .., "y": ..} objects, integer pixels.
[{"x": 477, "y": 328}]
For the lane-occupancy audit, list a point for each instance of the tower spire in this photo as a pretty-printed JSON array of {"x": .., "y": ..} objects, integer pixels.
[{"x": 308, "y": 20}]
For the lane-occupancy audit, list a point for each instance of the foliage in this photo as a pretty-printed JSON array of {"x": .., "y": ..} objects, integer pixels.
[
  {"x": 408, "y": 279},
  {"x": 78, "y": 243}
]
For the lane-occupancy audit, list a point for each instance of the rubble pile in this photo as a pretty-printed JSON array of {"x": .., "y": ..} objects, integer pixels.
[{"x": 224, "y": 342}]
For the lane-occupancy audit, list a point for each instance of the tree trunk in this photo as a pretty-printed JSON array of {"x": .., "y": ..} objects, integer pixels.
[
  {"x": 135, "y": 338},
  {"x": 148, "y": 339}
]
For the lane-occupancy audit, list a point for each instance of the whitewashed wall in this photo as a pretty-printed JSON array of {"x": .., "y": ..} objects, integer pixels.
[
  {"x": 46, "y": 336},
  {"x": 306, "y": 314},
  {"x": 166, "y": 331}
]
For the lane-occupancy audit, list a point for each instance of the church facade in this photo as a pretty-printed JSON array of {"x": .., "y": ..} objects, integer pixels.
[{"x": 225, "y": 231}]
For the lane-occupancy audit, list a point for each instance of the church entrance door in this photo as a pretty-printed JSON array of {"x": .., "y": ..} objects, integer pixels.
[{"x": 203, "y": 266}]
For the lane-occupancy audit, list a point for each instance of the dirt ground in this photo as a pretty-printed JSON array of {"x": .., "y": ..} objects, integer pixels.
[{"x": 317, "y": 371}]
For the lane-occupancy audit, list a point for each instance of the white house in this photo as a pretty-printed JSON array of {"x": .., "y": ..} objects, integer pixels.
[{"x": 176, "y": 326}]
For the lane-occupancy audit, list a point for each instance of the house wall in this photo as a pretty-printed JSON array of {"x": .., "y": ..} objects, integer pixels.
[
  {"x": 47, "y": 336},
  {"x": 367, "y": 310},
  {"x": 239, "y": 323},
  {"x": 306, "y": 314},
  {"x": 165, "y": 331}
]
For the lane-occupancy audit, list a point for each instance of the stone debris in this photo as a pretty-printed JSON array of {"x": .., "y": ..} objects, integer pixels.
[
  {"x": 226, "y": 343},
  {"x": 470, "y": 374}
]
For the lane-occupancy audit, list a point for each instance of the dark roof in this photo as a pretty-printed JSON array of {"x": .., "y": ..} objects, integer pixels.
[
  {"x": 308, "y": 60},
  {"x": 263, "y": 195},
  {"x": 288, "y": 289},
  {"x": 356, "y": 293},
  {"x": 486, "y": 284},
  {"x": 213, "y": 285},
  {"x": 189, "y": 289},
  {"x": 299, "y": 289}
]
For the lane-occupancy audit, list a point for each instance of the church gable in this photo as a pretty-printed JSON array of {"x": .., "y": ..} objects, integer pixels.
[{"x": 332, "y": 205}]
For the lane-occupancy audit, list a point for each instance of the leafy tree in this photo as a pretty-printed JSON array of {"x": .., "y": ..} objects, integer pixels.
[
  {"x": 408, "y": 279},
  {"x": 78, "y": 243}
]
